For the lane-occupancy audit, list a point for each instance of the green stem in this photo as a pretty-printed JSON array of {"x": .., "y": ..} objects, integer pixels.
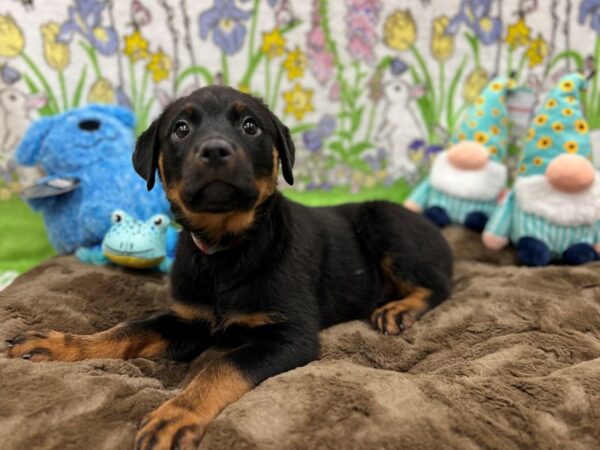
[
  {"x": 63, "y": 90},
  {"x": 133, "y": 84},
  {"x": 275, "y": 93},
  {"x": 224, "y": 69},
  {"x": 48, "y": 90},
  {"x": 423, "y": 66},
  {"x": 142, "y": 94},
  {"x": 255, "y": 7},
  {"x": 520, "y": 68},
  {"x": 194, "y": 70},
  {"x": 267, "y": 78},
  {"x": 510, "y": 61},
  {"x": 93, "y": 55},
  {"x": 440, "y": 106},
  {"x": 79, "y": 88},
  {"x": 593, "y": 105},
  {"x": 566, "y": 54}
]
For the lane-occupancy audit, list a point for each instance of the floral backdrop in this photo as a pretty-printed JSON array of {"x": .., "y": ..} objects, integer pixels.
[{"x": 370, "y": 89}]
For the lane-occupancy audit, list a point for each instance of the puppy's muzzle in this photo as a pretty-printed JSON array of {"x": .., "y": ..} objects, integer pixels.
[{"x": 215, "y": 152}]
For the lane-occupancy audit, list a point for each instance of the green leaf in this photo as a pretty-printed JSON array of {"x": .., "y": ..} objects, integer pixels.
[
  {"x": 356, "y": 118},
  {"x": 79, "y": 89},
  {"x": 360, "y": 147}
]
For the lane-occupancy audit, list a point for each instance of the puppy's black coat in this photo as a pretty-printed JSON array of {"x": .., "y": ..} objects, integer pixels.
[{"x": 256, "y": 274}]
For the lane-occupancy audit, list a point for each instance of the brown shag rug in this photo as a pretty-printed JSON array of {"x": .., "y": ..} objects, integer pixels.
[{"x": 512, "y": 360}]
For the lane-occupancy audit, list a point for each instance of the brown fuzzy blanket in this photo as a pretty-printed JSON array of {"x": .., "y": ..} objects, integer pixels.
[{"x": 512, "y": 360}]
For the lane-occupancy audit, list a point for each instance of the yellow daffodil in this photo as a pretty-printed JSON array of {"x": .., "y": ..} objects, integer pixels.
[
  {"x": 12, "y": 40},
  {"x": 244, "y": 87},
  {"x": 273, "y": 43},
  {"x": 57, "y": 55},
  {"x": 400, "y": 31},
  {"x": 474, "y": 84},
  {"x": 298, "y": 101},
  {"x": 537, "y": 51},
  {"x": 136, "y": 46},
  {"x": 442, "y": 44},
  {"x": 159, "y": 65},
  {"x": 518, "y": 34},
  {"x": 101, "y": 92},
  {"x": 295, "y": 63}
]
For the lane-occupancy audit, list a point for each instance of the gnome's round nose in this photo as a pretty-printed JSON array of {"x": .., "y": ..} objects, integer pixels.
[
  {"x": 468, "y": 155},
  {"x": 570, "y": 173}
]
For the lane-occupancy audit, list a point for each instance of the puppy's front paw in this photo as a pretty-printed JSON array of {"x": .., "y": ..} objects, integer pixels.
[
  {"x": 171, "y": 426},
  {"x": 394, "y": 317},
  {"x": 42, "y": 346}
]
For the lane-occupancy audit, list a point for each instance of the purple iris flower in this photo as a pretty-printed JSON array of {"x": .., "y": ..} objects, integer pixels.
[
  {"x": 398, "y": 67},
  {"x": 590, "y": 8},
  {"x": 432, "y": 150},
  {"x": 313, "y": 139},
  {"x": 85, "y": 18},
  {"x": 416, "y": 144},
  {"x": 226, "y": 21},
  {"x": 475, "y": 14}
]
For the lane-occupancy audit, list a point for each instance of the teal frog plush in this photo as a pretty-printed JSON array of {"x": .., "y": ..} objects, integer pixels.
[{"x": 134, "y": 243}]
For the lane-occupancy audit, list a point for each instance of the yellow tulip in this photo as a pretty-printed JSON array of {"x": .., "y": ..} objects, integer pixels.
[
  {"x": 442, "y": 44},
  {"x": 101, "y": 92},
  {"x": 474, "y": 84},
  {"x": 12, "y": 40},
  {"x": 400, "y": 31},
  {"x": 57, "y": 55}
]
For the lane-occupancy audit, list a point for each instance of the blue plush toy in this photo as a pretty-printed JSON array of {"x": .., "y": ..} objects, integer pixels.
[
  {"x": 134, "y": 243},
  {"x": 94, "y": 145}
]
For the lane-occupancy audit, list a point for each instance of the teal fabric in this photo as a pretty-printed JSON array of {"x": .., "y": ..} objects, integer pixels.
[
  {"x": 513, "y": 223},
  {"x": 558, "y": 127},
  {"x": 486, "y": 121},
  {"x": 457, "y": 208}
]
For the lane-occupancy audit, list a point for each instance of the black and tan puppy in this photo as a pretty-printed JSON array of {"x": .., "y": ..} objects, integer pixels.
[{"x": 256, "y": 276}]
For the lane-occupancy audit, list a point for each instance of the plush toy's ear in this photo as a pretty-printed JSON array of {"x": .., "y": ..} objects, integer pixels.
[
  {"x": 145, "y": 156},
  {"x": 28, "y": 150},
  {"x": 286, "y": 149},
  {"x": 124, "y": 115}
]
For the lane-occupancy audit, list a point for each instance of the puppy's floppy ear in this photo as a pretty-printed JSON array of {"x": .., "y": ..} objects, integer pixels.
[
  {"x": 285, "y": 148},
  {"x": 28, "y": 150},
  {"x": 145, "y": 156}
]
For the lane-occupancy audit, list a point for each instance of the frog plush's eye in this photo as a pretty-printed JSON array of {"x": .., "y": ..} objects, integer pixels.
[
  {"x": 117, "y": 216},
  {"x": 160, "y": 221}
]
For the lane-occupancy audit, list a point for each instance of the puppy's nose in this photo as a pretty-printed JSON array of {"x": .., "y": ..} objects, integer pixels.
[
  {"x": 89, "y": 125},
  {"x": 215, "y": 151}
]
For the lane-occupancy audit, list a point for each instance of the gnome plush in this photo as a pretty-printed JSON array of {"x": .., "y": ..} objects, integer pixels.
[
  {"x": 467, "y": 178},
  {"x": 553, "y": 211}
]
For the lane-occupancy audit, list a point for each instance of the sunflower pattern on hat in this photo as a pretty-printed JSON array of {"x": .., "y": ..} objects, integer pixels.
[
  {"x": 486, "y": 121},
  {"x": 558, "y": 127}
]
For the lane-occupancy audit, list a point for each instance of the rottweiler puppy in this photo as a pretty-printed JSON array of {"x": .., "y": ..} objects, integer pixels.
[{"x": 256, "y": 276}]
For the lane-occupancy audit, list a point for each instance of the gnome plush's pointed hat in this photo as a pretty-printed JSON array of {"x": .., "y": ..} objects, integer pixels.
[
  {"x": 558, "y": 127},
  {"x": 486, "y": 121}
]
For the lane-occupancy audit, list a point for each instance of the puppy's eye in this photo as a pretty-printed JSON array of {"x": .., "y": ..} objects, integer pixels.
[
  {"x": 181, "y": 129},
  {"x": 250, "y": 126}
]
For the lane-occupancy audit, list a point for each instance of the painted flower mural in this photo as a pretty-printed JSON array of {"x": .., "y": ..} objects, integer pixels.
[{"x": 358, "y": 82}]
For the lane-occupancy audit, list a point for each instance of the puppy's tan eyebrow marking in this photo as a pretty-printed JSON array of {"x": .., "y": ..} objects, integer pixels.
[
  {"x": 239, "y": 106},
  {"x": 189, "y": 109}
]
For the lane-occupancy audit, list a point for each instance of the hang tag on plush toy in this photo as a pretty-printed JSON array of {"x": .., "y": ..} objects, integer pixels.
[
  {"x": 51, "y": 188},
  {"x": 520, "y": 103}
]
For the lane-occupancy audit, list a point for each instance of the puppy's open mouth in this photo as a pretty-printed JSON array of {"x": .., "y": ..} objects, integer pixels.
[{"x": 219, "y": 196}]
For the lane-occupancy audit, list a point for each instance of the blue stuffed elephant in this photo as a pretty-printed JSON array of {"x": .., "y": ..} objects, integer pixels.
[{"x": 93, "y": 144}]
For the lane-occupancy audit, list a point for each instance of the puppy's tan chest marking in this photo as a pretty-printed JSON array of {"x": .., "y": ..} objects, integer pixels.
[{"x": 207, "y": 314}]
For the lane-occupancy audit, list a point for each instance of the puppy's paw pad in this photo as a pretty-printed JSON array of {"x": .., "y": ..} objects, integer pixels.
[{"x": 36, "y": 345}]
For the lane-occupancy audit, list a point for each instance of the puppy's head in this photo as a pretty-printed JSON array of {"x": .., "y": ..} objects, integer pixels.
[{"x": 217, "y": 152}]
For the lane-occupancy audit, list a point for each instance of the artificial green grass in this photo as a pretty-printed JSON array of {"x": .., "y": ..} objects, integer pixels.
[{"x": 23, "y": 241}]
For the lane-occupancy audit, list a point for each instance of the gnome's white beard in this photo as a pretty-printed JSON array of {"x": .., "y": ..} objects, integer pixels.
[
  {"x": 483, "y": 184},
  {"x": 536, "y": 195}
]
